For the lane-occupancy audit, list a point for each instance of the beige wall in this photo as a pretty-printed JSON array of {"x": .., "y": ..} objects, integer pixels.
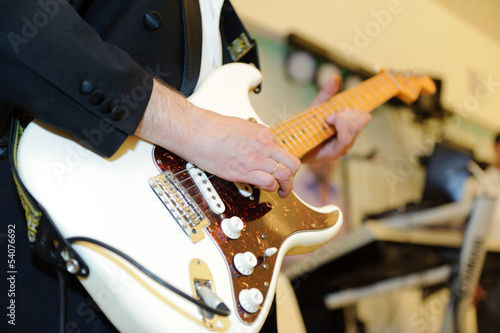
[{"x": 402, "y": 34}]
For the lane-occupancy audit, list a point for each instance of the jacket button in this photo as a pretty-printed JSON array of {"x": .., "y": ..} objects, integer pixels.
[
  {"x": 118, "y": 112},
  {"x": 152, "y": 21},
  {"x": 87, "y": 86},
  {"x": 107, "y": 105},
  {"x": 96, "y": 97}
]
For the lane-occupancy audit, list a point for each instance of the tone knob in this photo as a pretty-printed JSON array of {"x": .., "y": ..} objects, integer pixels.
[
  {"x": 250, "y": 299},
  {"x": 245, "y": 262},
  {"x": 232, "y": 227}
]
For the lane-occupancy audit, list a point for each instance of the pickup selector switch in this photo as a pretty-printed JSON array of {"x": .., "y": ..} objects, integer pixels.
[
  {"x": 245, "y": 262},
  {"x": 250, "y": 299},
  {"x": 232, "y": 227},
  {"x": 270, "y": 251}
]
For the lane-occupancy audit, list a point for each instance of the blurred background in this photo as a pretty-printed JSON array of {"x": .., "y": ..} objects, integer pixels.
[{"x": 456, "y": 43}]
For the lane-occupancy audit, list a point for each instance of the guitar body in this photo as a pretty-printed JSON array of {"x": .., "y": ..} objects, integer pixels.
[{"x": 110, "y": 200}]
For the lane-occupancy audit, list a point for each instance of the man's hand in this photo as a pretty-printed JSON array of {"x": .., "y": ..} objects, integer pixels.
[
  {"x": 348, "y": 124},
  {"x": 228, "y": 147}
]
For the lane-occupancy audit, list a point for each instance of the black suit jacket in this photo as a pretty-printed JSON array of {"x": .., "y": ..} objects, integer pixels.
[{"x": 87, "y": 67}]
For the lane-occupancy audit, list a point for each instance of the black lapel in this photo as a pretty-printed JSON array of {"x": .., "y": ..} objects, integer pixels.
[{"x": 192, "y": 45}]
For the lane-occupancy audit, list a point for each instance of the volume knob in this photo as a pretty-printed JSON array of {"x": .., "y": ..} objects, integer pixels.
[
  {"x": 245, "y": 262},
  {"x": 232, "y": 227},
  {"x": 250, "y": 299}
]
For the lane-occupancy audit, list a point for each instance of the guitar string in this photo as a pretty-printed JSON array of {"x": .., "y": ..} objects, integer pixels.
[
  {"x": 307, "y": 116},
  {"x": 375, "y": 85},
  {"x": 307, "y": 120},
  {"x": 310, "y": 113},
  {"x": 201, "y": 192},
  {"x": 337, "y": 99}
]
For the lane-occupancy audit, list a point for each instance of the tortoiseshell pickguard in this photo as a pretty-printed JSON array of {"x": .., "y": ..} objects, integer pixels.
[{"x": 268, "y": 220}]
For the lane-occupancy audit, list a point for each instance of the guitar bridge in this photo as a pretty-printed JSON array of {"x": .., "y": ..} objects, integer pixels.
[{"x": 180, "y": 204}]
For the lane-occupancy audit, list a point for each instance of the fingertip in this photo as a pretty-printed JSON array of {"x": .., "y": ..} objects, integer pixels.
[
  {"x": 297, "y": 167},
  {"x": 333, "y": 84},
  {"x": 330, "y": 119},
  {"x": 271, "y": 184},
  {"x": 283, "y": 194},
  {"x": 368, "y": 116}
]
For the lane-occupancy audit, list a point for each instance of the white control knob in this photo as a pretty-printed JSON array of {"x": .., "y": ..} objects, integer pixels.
[
  {"x": 250, "y": 299},
  {"x": 245, "y": 262},
  {"x": 232, "y": 227},
  {"x": 270, "y": 251}
]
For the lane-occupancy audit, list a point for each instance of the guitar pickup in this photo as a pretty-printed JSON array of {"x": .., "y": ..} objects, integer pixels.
[{"x": 206, "y": 189}]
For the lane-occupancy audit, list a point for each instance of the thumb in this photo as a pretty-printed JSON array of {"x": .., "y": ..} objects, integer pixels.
[{"x": 328, "y": 90}]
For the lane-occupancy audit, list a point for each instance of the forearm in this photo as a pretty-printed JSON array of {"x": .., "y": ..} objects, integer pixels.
[{"x": 169, "y": 119}]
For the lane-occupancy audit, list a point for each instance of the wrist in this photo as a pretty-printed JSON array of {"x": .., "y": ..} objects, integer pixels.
[{"x": 165, "y": 121}]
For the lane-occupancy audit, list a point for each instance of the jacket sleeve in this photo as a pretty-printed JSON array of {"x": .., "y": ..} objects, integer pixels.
[{"x": 56, "y": 67}]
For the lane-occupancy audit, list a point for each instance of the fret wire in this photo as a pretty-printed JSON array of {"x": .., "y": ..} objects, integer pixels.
[
  {"x": 282, "y": 140},
  {"x": 385, "y": 83},
  {"x": 350, "y": 104},
  {"x": 315, "y": 141},
  {"x": 384, "y": 89},
  {"x": 353, "y": 104},
  {"x": 378, "y": 88},
  {"x": 346, "y": 105},
  {"x": 343, "y": 105},
  {"x": 325, "y": 105},
  {"x": 325, "y": 125},
  {"x": 285, "y": 145},
  {"x": 335, "y": 105},
  {"x": 373, "y": 92},
  {"x": 280, "y": 128},
  {"x": 324, "y": 112},
  {"x": 363, "y": 91},
  {"x": 312, "y": 128},
  {"x": 296, "y": 125},
  {"x": 278, "y": 131},
  {"x": 291, "y": 136},
  {"x": 318, "y": 125},
  {"x": 277, "y": 127},
  {"x": 314, "y": 125},
  {"x": 393, "y": 81},
  {"x": 303, "y": 141},
  {"x": 359, "y": 100}
]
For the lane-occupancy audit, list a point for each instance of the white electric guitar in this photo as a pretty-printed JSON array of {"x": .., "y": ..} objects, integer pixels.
[{"x": 220, "y": 242}]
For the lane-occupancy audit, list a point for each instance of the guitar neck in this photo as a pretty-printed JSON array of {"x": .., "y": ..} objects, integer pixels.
[{"x": 306, "y": 130}]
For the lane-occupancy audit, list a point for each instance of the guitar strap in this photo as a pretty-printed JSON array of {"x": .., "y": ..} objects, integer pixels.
[
  {"x": 238, "y": 45},
  {"x": 44, "y": 238}
]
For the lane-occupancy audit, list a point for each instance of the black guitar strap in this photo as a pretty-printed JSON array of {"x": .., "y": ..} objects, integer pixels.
[
  {"x": 44, "y": 238},
  {"x": 237, "y": 43}
]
